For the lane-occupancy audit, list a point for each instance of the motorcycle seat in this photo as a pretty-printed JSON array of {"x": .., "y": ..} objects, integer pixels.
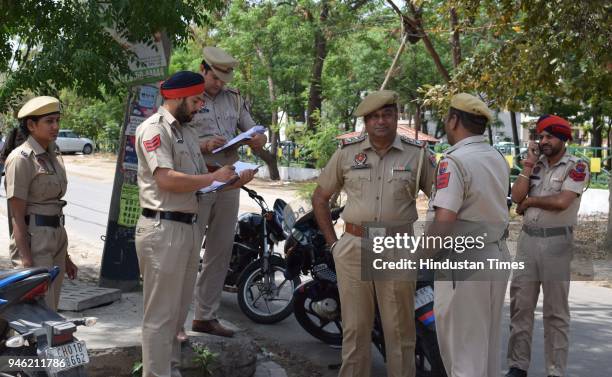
[{"x": 20, "y": 273}]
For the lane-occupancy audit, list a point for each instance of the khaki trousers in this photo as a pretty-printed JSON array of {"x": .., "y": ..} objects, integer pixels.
[
  {"x": 358, "y": 299},
  {"x": 547, "y": 264},
  {"x": 48, "y": 246},
  {"x": 468, "y": 323},
  {"x": 218, "y": 213},
  {"x": 168, "y": 253}
]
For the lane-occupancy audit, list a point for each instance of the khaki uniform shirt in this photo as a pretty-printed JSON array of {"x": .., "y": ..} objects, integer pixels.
[
  {"x": 379, "y": 189},
  {"x": 37, "y": 176},
  {"x": 161, "y": 142},
  {"x": 568, "y": 174},
  {"x": 476, "y": 190},
  {"x": 226, "y": 115}
]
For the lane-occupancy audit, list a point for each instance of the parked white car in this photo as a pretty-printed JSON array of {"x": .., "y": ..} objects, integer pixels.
[{"x": 69, "y": 141}]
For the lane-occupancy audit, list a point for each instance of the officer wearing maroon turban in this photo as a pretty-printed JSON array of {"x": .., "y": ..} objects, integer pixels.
[
  {"x": 170, "y": 172},
  {"x": 548, "y": 193}
]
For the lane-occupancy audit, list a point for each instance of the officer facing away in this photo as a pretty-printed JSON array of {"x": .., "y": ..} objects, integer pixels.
[{"x": 471, "y": 186}]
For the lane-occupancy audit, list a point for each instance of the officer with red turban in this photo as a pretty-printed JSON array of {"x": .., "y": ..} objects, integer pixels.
[
  {"x": 168, "y": 240},
  {"x": 548, "y": 193}
]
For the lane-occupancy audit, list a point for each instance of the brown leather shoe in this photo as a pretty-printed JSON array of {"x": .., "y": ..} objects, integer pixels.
[{"x": 211, "y": 327}]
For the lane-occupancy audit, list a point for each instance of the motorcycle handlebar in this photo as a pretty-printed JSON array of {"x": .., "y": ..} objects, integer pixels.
[{"x": 254, "y": 195}]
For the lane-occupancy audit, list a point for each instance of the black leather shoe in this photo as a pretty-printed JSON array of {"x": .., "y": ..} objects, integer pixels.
[{"x": 516, "y": 372}]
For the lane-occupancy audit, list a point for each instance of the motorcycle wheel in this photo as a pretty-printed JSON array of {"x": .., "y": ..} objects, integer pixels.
[
  {"x": 316, "y": 326},
  {"x": 266, "y": 304},
  {"x": 427, "y": 353}
]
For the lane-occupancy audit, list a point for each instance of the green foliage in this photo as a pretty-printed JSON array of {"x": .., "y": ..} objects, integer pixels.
[
  {"x": 321, "y": 144},
  {"x": 48, "y": 45},
  {"x": 204, "y": 358},
  {"x": 547, "y": 56},
  {"x": 97, "y": 119}
]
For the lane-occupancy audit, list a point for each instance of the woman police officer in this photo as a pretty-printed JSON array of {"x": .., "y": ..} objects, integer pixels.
[{"x": 35, "y": 180}]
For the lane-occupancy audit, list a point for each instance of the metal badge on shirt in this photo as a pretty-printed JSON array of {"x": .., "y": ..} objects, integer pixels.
[
  {"x": 360, "y": 161},
  {"x": 44, "y": 166}
]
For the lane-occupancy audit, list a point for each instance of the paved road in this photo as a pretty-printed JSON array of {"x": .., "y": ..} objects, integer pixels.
[{"x": 590, "y": 352}]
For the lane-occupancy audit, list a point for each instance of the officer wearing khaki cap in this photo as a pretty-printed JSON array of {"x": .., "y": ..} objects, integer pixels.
[
  {"x": 35, "y": 184},
  {"x": 471, "y": 186},
  {"x": 548, "y": 193},
  {"x": 381, "y": 173},
  {"x": 223, "y": 116}
]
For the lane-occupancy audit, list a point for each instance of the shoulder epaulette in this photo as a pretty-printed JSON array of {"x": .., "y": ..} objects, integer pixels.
[
  {"x": 233, "y": 90},
  {"x": 25, "y": 154},
  {"x": 416, "y": 143},
  {"x": 575, "y": 159},
  {"x": 353, "y": 140}
]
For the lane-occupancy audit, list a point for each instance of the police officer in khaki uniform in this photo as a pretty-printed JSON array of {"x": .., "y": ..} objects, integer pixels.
[
  {"x": 471, "y": 187},
  {"x": 548, "y": 191},
  {"x": 223, "y": 116},
  {"x": 170, "y": 171},
  {"x": 381, "y": 174},
  {"x": 35, "y": 184}
]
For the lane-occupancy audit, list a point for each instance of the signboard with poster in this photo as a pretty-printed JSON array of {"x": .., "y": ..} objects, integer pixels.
[{"x": 119, "y": 262}]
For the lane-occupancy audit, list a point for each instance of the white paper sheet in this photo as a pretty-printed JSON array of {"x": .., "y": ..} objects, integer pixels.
[
  {"x": 239, "y": 166},
  {"x": 247, "y": 135}
]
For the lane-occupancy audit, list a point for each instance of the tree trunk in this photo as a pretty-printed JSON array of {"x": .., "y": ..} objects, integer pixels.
[
  {"x": 515, "y": 139},
  {"x": 490, "y": 134},
  {"x": 608, "y": 241},
  {"x": 270, "y": 158},
  {"x": 456, "y": 46},
  {"x": 597, "y": 130},
  {"x": 320, "y": 53},
  {"x": 423, "y": 121},
  {"x": 417, "y": 117},
  {"x": 609, "y": 152}
]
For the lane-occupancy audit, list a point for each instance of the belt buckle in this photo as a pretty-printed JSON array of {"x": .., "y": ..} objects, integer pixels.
[
  {"x": 194, "y": 218},
  {"x": 376, "y": 232},
  {"x": 62, "y": 220}
]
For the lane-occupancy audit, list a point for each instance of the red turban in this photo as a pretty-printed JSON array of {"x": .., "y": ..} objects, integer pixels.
[
  {"x": 182, "y": 84},
  {"x": 555, "y": 125}
]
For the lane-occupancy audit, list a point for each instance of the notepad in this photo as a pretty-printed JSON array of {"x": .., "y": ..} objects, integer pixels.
[
  {"x": 216, "y": 185},
  {"x": 247, "y": 135}
]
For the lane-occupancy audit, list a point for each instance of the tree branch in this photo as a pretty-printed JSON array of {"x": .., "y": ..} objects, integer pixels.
[
  {"x": 395, "y": 60},
  {"x": 415, "y": 24}
]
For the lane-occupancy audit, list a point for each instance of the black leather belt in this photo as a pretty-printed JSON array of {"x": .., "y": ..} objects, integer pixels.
[
  {"x": 54, "y": 221},
  {"x": 187, "y": 218},
  {"x": 547, "y": 232}
]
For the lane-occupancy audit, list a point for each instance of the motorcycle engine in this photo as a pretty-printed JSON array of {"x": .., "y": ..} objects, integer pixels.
[{"x": 326, "y": 308}]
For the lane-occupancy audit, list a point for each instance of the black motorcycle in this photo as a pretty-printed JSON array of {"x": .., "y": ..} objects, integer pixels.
[
  {"x": 256, "y": 272},
  {"x": 317, "y": 301},
  {"x": 35, "y": 341}
]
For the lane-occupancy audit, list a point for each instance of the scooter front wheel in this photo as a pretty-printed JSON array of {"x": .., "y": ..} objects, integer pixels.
[{"x": 266, "y": 297}]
